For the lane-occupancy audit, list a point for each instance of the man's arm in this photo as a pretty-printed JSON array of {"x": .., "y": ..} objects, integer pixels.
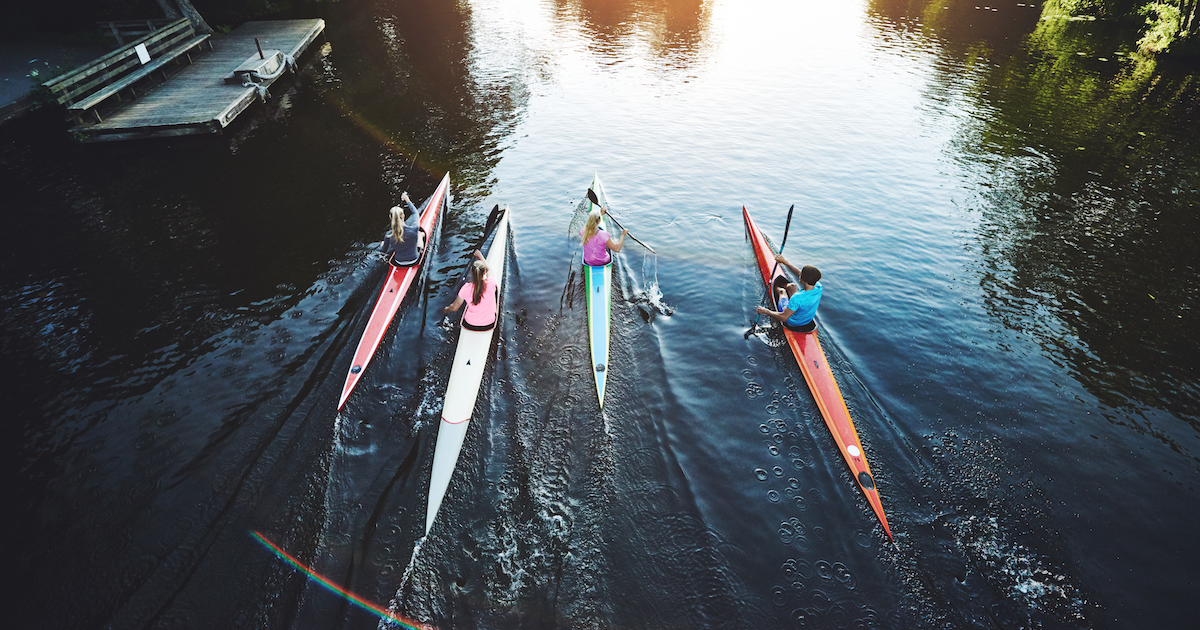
[
  {"x": 783, "y": 261},
  {"x": 780, "y": 316}
]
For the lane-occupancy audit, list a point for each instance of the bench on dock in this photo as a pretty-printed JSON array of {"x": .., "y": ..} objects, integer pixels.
[{"x": 84, "y": 88}]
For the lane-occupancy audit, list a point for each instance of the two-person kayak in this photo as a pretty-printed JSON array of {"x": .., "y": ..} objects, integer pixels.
[
  {"x": 466, "y": 375},
  {"x": 395, "y": 288},
  {"x": 598, "y": 284},
  {"x": 810, "y": 357}
]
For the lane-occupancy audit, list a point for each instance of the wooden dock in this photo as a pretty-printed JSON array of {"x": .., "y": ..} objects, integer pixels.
[{"x": 197, "y": 99}]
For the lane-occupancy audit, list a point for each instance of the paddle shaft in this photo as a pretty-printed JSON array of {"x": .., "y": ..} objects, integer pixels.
[
  {"x": 596, "y": 200},
  {"x": 636, "y": 239},
  {"x": 787, "y": 227}
]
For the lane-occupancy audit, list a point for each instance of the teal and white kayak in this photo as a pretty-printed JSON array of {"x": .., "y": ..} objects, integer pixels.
[
  {"x": 466, "y": 375},
  {"x": 598, "y": 283}
]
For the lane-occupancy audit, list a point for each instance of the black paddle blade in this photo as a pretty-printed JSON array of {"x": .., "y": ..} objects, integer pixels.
[
  {"x": 786, "y": 228},
  {"x": 755, "y": 329},
  {"x": 568, "y": 295},
  {"x": 424, "y": 284},
  {"x": 592, "y": 196},
  {"x": 492, "y": 220}
]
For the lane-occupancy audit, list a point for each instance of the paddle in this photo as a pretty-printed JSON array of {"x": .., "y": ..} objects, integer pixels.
[
  {"x": 567, "y": 293},
  {"x": 596, "y": 200},
  {"x": 424, "y": 280},
  {"x": 424, "y": 283},
  {"x": 786, "y": 228}
]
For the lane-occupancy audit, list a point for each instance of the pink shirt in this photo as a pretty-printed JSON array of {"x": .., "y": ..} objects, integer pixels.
[
  {"x": 483, "y": 313},
  {"x": 595, "y": 250}
]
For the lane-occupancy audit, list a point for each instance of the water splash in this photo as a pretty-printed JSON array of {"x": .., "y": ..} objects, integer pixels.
[
  {"x": 412, "y": 561},
  {"x": 769, "y": 334},
  {"x": 652, "y": 295},
  {"x": 648, "y": 298},
  {"x": 579, "y": 218}
]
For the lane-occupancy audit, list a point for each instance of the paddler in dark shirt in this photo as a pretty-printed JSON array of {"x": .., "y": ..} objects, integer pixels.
[{"x": 404, "y": 242}]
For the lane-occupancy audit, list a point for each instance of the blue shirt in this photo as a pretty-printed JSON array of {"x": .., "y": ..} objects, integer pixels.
[{"x": 804, "y": 305}]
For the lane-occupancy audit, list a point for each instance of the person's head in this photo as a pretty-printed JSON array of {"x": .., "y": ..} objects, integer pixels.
[
  {"x": 479, "y": 271},
  {"x": 810, "y": 275},
  {"x": 397, "y": 221},
  {"x": 592, "y": 226}
]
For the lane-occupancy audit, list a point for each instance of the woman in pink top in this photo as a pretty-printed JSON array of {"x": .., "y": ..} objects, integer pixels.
[
  {"x": 480, "y": 297},
  {"x": 597, "y": 243}
]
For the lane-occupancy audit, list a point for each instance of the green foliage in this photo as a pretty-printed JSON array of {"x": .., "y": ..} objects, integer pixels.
[
  {"x": 1162, "y": 27},
  {"x": 1073, "y": 8}
]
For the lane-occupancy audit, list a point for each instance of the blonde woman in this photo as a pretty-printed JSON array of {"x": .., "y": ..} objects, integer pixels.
[
  {"x": 405, "y": 241},
  {"x": 597, "y": 243},
  {"x": 480, "y": 297}
]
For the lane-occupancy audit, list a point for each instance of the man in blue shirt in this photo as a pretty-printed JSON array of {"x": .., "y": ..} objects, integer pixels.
[{"x": 797, "y": 303}]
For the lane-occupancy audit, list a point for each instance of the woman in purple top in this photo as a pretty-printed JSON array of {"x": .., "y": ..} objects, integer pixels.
[{"x": 597, "y": 243}]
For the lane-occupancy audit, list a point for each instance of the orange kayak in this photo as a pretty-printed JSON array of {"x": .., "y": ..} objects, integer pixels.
[{"x": 819, "y": 377}]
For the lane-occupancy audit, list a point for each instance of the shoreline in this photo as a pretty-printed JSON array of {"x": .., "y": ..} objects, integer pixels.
[{"x": 20, "y": 59}]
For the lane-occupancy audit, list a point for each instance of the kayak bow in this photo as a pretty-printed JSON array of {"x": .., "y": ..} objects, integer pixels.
[
  {"x": 598, "y": 283},
  {"x": 466, "y": 375},
  {"x": 395, "y": 287},
  {"x": 819, "y": 377}
]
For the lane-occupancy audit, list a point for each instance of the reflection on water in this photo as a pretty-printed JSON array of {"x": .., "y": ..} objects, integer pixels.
[
  {"x": 1006, "y": 226},
  {"x": 672, "y": 31},
  {"x": 1085, "y": 155},
  {"x": 1091, "y": 229}
]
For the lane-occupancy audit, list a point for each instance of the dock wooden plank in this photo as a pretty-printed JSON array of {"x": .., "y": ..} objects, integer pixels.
[{"x": 197, "y": 99}]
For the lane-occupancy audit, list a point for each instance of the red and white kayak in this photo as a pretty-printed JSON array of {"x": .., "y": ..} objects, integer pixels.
[
  {"x": 466, "y": 375},
  {"x": 395, "y": 287},
  {"x": 819, "y": 377}
]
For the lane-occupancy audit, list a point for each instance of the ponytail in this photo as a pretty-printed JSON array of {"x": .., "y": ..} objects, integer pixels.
[
  {"x": 592, "y": 226},
  {"x": 479, "y": 269},
  {"x": 397, "y": 215}
]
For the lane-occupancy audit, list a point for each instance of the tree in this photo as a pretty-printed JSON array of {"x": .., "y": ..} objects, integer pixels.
[{"x": 183, "y": 8}]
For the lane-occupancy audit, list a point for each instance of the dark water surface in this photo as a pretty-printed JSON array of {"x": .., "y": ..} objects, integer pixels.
[{"x": 1003, "y": 207}]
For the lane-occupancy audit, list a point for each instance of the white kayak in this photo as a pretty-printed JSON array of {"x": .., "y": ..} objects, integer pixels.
[{"x": 466, "y": 375}]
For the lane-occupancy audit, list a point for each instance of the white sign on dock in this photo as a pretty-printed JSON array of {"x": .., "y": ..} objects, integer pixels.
[
  {"x": 195, "y": 98},
  {"x": 143, "y": 54}
]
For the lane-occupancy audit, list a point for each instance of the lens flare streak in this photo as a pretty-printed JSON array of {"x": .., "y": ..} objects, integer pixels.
[{"x": 370, "y": 607}]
